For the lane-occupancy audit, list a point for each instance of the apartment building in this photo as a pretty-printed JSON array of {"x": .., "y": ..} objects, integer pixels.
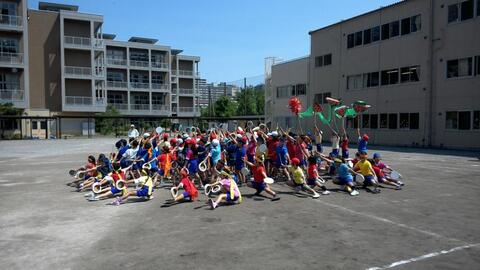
[
  {"x": 209, "y": 93},
  {"x": 78, "y": 70},
  {"x": 14, "y": 68},
  {"x": 417, "y": 62}
]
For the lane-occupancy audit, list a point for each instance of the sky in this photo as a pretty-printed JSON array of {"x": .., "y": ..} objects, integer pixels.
[{"x": 232, "y": 37}]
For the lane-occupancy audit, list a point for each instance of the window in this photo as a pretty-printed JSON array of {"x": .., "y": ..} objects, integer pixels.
[
  {"x": 476, "y": 119},
  {"x": 385, "y": 31},
  {"x": 367, "y": 36},
  {"x": 319, "y": 61},
  {"x": 321, "y": 98},
  {"x": 157, "y": 78},
  {"x": 365, "y": 121},
  {"x": 383, "y": 120},
  {"x": 478, "y": 8},
  {"x": 414, "y": 119},
  {"x": 43, "y": 124},
  {"x": 477, "y": 62},
  {"x": 34, "y": 125},
  {"x": 466, "y": 10},
  {"x": 394, "y": 28},
  {"x": 459, "y": 67},
  {"x": 416, "y": 23},
  {"x": 324, "y": 60},
  {"x": 354, "y": 81},
  {"x": 7, "y": 8},
  {"x": 404, "y": 121},
  {"x": 409, "y": 74},
  {"x": 113, "y": 98},
  {"x": 301, "y": 89},
  {"x": 464, "y": 120},
  {"x": 392, "y": 121},
  {"x": 451, "y": 120},
  {"x": 358, "y": 38},
  {"x": 452, "y": 13},
  {"x": 375, "y": 33},
  {"x": 158, "y": 99},
  {"x": 327, "y": 59},
  {"x": 350, "y": 41},
  {"x": 113, "y": 76},
  {"x": 370, "y": 79},
  {"x": 8, "y": 45},
  {"x": 283, "y": 91},
  {"x": 390, "y": 77},
  {"x": 406, "y": 26},
  {"x": 373, "y": 121}
]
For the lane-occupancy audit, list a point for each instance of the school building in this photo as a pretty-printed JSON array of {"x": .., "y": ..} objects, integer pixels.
[
  {"x": 417, "y": 62},
  {"x": 56, "y": 61}
]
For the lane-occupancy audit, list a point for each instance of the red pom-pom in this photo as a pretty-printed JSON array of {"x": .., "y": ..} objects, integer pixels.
[
  {"x": 295, "y": 105},
  {"x": 317, "y": 107}
]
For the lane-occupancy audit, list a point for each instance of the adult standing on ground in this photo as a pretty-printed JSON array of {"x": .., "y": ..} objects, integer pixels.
[{"x": 133, "y": 132}]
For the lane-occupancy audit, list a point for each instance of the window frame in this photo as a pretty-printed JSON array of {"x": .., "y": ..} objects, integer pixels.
[
  {"x": 358, "y": 38},
  {"x": 417, "y": 121},
  {"x": 350, "y": 41},
  {"x": 385, "y": 31},
  {"x": 390, "y": 81},
  {"x": 329, "y": 57},
  {"x": 462, "y": 7},
  {"x": 390, "y": 123},
  {"x": 469, "y": 120},
  {"x": 382, "y": 125},
  {"x": 406, "y": 122},
  {"x": 476, "y": 120},
  {"x": 394, "y": 29},
  {"x": 406, "y": 26}
]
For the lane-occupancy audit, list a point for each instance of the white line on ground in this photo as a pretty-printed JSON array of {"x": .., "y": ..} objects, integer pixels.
[
  {"x": 388, "y": 221},
  {"x": 423, "y": 257}
]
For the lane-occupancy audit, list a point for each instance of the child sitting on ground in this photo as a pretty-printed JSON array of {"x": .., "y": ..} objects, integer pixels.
[
  {"x": 190, "y": 194},
  {"x": 299, "y": 178},
  {"x": 229, "y": 192},
  {"x": 259, "y": 175},
  {"x": 314, "y": 179}
]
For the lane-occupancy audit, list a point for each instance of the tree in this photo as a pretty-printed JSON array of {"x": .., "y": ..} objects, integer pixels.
[
  {"x": 8, "y": 124},
  {"x": 107, "y": 125},
  {"x": 223, "y": 107},
  {"x": 251, "y": 101}
]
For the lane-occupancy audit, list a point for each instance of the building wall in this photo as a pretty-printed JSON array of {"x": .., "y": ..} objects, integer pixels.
[
  {"x": 430, "y": 97},
  {"x": 454, "y": 41},
  {"x": 78, "y": 58},
  {"x": 44, "y": 56},
  {"x": 289, "y": 73},
  {"x": 79, "y": 88},
  {"x": 77, "y": 28}
]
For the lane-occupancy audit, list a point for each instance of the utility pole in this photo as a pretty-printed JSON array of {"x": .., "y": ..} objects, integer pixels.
[{"x": 245, "y": 94}]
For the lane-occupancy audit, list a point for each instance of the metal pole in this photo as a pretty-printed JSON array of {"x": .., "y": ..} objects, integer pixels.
[
  {"x": 245, "y": 94},
  {"x": 46, "y": 128}
]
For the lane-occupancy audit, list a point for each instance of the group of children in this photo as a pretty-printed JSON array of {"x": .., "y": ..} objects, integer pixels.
[{"x": 220, "y": 162}]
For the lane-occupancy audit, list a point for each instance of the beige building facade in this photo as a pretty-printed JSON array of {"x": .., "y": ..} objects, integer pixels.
[
  {"x": 77, "y": 70},
  {"x": 417, "y": 62}
]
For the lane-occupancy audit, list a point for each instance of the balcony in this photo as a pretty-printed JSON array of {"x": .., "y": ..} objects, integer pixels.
[
  {"x": 116, "y": 62},
  {"x": 174, "y": 72},
  {"x": 77, "y": 42},
  {"x": 117, "y": 84},
  {"x": 119, "y": 106},
  {"x": 159, "y": 108},
  {"x": 11, "y": 58},
  {"x": 12, "y": 95},
  {"x": 187, "y": 73},
  {"x": 187, "y": 110},
  {"x": 135, "y": 63},
  {"x": 78, "y": 72},
  {"x": 78, "y": 101},
  {"x": 11, "y": 22},
  {"x": 159, "y": 86},
  {"x": 160, "y": 65},
  {"x": 185, "y": 91},
  {"x": 98, "y": 43},
  {"x": 174, "y": 98},
  {"x": 140, "y": 107},
  {"x": 139, "y": 85},
  {"x": 84, "y": 104}
]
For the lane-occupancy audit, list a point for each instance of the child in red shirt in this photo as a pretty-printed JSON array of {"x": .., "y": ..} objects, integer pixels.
[
  {"x": 259, "y": 175},
  {"x": 313, "y": 178},
  {"x": 190, "y": 191}
]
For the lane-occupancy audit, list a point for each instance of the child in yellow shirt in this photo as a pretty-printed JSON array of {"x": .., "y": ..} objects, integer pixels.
[{"x": 365, "y": 168}]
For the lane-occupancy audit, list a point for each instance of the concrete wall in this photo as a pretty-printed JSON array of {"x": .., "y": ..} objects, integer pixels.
[
  {"x": 185, "y": 83},
  {"x": 185, "y": 65},
  {"x": 289, "y": 73},
  {"x": 454, "y": 41},
  {"x": 81, "y": 88},
  {"x": 77, "y": 28},
  {"x": 78, "y": 58},
  {"x": 44, "y": 58},
  {"x": 450, "y": 41},
  {"x": 185, "y": 101}
]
